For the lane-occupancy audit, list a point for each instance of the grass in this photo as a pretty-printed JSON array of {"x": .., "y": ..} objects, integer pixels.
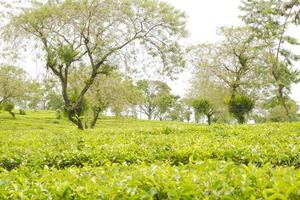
[{"x": 45, "y": 158}]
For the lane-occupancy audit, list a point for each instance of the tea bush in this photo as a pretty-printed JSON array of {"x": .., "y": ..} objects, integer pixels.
[{"x": 135, "y": 159}]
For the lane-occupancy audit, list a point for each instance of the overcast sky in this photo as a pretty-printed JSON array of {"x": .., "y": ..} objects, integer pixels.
[{"x": 204, "y": 17}]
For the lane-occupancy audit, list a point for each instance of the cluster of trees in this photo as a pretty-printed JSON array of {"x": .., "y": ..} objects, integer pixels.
[
  {"x": 99, "y": 35},
  {"x": 251, "y": 70},
  {"x": 85, "y": 45},
  {"x": 119, "y": 95},
  {"x": 18, "y": 89}
]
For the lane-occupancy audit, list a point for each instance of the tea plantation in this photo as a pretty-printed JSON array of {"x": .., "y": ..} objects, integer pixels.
[{"x": 45, "y": 158}]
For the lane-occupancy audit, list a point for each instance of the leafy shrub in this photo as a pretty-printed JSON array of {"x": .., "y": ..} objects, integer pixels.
[
  {"x": 239, "y": 106},
  {"x": 129, "y": 159},
  {"x": 8, "y": 106},
  {"x": 59, "y": 114},
  {"x": 22, "y": 112},
  {"x": 167, "y": 131}
]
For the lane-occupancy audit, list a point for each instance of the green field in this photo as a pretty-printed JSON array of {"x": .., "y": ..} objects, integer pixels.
[{"x": 45, "y": 158}]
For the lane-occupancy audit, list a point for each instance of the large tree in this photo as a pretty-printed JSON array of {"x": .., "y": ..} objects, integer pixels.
[
  {"x": 227, "y": 68},
  {"x": 99, "y": 33},
  {"x": 233, "y": 61},
  {"x": 271, "y": 21}
]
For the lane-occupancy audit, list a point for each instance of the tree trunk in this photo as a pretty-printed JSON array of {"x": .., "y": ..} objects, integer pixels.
[
  {"x": 74, "y": 116},
  {"x": 95, "y": 117},
  {"x": 241, "y": 119},
  {"x": 209, "y": 119},
  {"x": 197, "y": 118},
  {"x": 283, "y": 102},
  {"x": 80, "y": 125},
  {"x": 74, "y": 111},
  {"x": 12, "y": 114},
  {"x": 149, "y": 114}
]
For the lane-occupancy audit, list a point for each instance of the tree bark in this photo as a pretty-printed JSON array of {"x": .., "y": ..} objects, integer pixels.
[
  {"x": 284, "y": 103},
  {"x": 209, "y": 119},
  {"x": 95, "y": 117},
  {"x": 12, "y": 114},
  {"x": 241, "y": 119}
]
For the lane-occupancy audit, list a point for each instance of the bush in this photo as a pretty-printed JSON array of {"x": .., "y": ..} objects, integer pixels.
[
  {"x": 22, "y": 112},
  {"x": 8, "y": 106},
  {"x": 59, "y": 114},
  {"x": 239, "y": 106}
]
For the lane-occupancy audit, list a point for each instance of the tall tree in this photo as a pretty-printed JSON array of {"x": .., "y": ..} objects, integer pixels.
[
  {"x": 98, "y": 33},
  {"x": 270, "y": 20},
  {"x": 232, "y": 62},
  {"x": 203, "y": 85},
  {"x": 229, "y": 67}
]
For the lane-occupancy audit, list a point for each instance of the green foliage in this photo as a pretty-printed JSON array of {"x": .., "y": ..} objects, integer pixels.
[
  {"x": 180, "y": 111},
  {"x": 157, "y": 98},
  {"x": 59, "y": 114},
  {"x": 278, "y": 114},
  {"x": 203, "y": 107},
  {"x": 22, "y": 112},
  {"x": 34, "y": 94},
  {"x": 67, "y": 54},
  {"x": 54, "y": 101},
  {"x": 271, "y": 21},
  {"x": 164, "y": 103},
  {"x": 108, "y": 91},
  {"x": 130, "y": 159},
  {"x": 240, "y": 106},
  {"x": 12, "y": 83},
  {"x": 84, "y": 104},
  {"x": 8, "y": 106}
]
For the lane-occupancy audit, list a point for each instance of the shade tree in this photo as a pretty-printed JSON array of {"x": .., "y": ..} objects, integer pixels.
[
  {"x": 271, "y": 20},
  {"x": 99, "y": 33}
]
